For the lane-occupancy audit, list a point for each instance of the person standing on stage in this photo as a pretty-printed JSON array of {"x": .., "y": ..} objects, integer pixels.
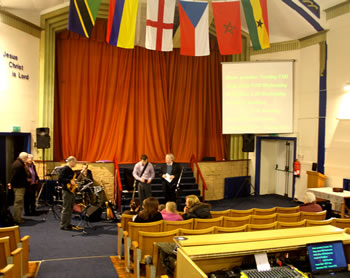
[
  {"x": 170, "y": 173},
  {"x": 33, "y": 179},
  {"x": 144, "y": 174},
  {"x": 18, "y": 181},
  {"x": 66, "y": 180}
]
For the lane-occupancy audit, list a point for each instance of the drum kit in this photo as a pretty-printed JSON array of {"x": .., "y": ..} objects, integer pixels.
[{"x": 89, "y": 195}]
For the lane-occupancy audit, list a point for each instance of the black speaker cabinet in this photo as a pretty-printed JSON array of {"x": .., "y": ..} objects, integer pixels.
[
  {"x": 248, "y": 143},
  {"x": 93, "y": 213},
  {"x": 43, "y": 138}
]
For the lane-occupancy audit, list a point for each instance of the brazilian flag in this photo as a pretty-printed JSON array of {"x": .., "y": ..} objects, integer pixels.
[
  {"x": 82, "y": 16},
  {"x": 255, "y": 12}
]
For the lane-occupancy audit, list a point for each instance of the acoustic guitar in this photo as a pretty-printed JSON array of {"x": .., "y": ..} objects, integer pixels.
[{"x": 72, "y": 187}]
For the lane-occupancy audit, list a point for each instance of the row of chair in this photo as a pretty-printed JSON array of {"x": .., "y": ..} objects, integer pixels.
[
  {"x": 144, "y": 243},
  {"x": 196, "y": 223},
  {"x": 254, "y": 211},
  {"x": 14, "y": 253}
]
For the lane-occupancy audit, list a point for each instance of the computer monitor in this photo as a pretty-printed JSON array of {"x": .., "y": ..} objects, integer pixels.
[{"x": 327, "y": 257}]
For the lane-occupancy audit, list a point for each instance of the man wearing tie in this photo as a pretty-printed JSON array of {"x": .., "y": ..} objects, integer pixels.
[
  {"x": 144, "y": 174},
  {"x": 170, "y": 173}
]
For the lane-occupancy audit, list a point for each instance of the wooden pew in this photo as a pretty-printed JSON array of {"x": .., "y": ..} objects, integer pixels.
[
  {"x": 122, "y": 226},
  {"x": 17, "y": 242},
  {"x": 288, "y": 209},
  {"x": 240, "y": 213},
  {"x": 143, "y": 246},
  {"x": 207, "y": 223},
  {"x": 173, "y": 225},
  {"x": 10, "y": 257},
  {"x": 263, "y": 219},
  {"x": 313, "y": 215},
  {"x": 288, "y": 217},
  {"x": 215, "y": 214},
  {"x": 236, "y": 221},
  {"x": 258, "y": 211},
  {"x": 132, "y": 235},
  {"x": 288, "y": 225},
  {"x": 8, "y": 271}
]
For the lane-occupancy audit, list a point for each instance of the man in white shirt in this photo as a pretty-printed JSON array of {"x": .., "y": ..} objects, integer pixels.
[{"x": 144, "y": 174}]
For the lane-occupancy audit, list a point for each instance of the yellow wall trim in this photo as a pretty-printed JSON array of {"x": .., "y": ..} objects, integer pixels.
[
  {"x": 293, "y": 45},
  {"x": 338, "y": 10},
  {"x": 20, "y": 24}
]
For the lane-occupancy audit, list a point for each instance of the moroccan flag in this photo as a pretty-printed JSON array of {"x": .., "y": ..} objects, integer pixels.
[
  {"x": 194, "y": 28},
  {"x": 227, "y": 16},
  {"x": 160, "y": 21},
  {"x": 82, "y": 16},
  {"x": 256, "y": 16},
  {"x": 122, "y": 23}
]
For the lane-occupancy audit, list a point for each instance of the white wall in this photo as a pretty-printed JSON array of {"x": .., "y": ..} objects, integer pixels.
[
  {"x": 337, "y": 164},
  {"x": 306, "y": 99},
  {"x": 18, "y": 97}
]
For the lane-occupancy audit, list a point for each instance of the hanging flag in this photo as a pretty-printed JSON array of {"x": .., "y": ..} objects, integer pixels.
[
  {"x": 256, "y": 16},
  {"x": 194, "y": 28},
  {"x": 160, "y": 21},
  {"x": 82, "y": 16},
  {"x": 227, "y": 16},
  {"x": 122, "y": 23}
]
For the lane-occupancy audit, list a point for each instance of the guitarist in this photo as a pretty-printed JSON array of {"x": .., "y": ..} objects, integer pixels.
[
  {"x": 66, "y": 180},
  {"x": 144, "y": 174}
]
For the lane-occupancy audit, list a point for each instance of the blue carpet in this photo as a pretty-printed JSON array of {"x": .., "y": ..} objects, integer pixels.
[
  {"x": 262, "y": 201},
  {"x": 47, "y": 241},
  {"x": 85, "y": 267}
]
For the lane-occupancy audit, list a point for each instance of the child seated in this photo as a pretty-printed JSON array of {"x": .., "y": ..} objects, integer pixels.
[{"x": 170, "y": 213}]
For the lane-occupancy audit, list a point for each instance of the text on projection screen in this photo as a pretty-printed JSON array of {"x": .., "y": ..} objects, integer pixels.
[{"x": 257, "y": 97}]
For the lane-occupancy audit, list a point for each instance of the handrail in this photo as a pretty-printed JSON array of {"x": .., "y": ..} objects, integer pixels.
[
  {"x": 117, "y": 184},
  {"x": 199, "y": 174}
]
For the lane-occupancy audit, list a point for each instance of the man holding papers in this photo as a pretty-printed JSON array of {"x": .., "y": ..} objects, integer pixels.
[{"x": 170, "y": 173}]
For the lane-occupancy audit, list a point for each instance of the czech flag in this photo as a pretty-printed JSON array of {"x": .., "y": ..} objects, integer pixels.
[{"x": 194, "y": 28}]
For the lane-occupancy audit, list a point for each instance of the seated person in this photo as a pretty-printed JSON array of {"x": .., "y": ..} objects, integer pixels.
[
  {"x": 85, "y": 175},
  {"x": 150, "y": 211},
  {"x": 134, "y": 207},
  {"x": 195, "y": 209},
  {"x": 161, "y": 207},
  {"x": 170, "y": 213},
  {"x": 310, "y": 204}
]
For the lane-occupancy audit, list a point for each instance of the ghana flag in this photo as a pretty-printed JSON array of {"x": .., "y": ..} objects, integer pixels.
[
  {"x": 255, "y": 12},
  {"x": 82, "y": 16}
]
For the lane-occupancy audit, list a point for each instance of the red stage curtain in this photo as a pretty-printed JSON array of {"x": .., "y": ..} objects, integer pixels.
[{"x": 111, "y": 101}]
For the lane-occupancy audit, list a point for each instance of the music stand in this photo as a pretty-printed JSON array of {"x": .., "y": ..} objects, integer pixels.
[{"x": 55, "y": 196}]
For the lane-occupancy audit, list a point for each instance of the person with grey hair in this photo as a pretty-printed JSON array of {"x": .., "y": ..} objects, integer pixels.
[
  {"x": 18, "y": 181},
  {"x": 170, "y": 173},
  {"x": 33, "y": 181},
  {"x": 66, "y": 180},
  {"x": 310, "y": 204}
]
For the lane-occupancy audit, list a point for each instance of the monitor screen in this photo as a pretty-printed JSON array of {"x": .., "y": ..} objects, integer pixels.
[{"x": 327, "y": 256}]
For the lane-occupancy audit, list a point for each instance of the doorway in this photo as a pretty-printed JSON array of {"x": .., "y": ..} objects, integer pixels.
[
  {"x": 274, "y": 165},
  {"x": 11, "y": 145}
]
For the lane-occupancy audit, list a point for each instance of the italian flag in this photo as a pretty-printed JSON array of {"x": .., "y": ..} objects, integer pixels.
[{"x": 255, "y": 12}]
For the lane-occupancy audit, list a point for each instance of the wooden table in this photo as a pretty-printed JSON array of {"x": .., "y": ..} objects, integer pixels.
[
  {"x": 214, "y": 239},
  {"x": 338, "y": 199},
  {"x": 195, "y": 261}
]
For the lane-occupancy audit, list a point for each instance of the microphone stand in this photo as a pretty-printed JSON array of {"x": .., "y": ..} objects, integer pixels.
[{"x": 178, "y": 190}]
